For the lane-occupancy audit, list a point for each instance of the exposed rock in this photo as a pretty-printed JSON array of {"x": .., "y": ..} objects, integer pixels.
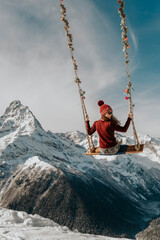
[{"x": 151, "y": 233}]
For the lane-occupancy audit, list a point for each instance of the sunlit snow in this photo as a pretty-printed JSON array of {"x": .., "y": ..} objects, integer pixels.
[{"x": 16, "y": 225}]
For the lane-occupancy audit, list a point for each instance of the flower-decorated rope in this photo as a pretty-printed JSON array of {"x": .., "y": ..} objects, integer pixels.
[
  {"x": 75, "y": 66},
  {"x": 126, "y": 47}
]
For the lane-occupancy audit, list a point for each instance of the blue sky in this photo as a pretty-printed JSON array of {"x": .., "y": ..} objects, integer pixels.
[{"x": 35, "y": 65}]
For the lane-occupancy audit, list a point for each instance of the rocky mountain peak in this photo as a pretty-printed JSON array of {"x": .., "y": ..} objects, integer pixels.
[
  {"x": 14, "y": 105},
  {"x": 18, "y": 117},
  {"x": 74, "y": 136}
]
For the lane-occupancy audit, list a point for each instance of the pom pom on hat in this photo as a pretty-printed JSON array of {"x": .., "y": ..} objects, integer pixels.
[
  {"x": 104, "y": 108},
  {"x": 100, "y": 103}
]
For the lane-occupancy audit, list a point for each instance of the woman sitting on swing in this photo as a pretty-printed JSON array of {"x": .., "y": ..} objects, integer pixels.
[{"x": 106, "y": 127}]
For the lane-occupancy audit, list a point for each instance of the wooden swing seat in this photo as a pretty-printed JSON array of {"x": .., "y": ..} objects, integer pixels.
[{"x": 124, "y": 149}]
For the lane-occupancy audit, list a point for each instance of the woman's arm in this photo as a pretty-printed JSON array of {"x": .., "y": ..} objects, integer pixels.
[
  {"x": 90, "y": 130},
  {"x": 126, "y": 126}
]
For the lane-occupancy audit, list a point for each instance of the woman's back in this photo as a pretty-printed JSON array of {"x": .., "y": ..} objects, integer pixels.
[{"x": 105, "y": 130}]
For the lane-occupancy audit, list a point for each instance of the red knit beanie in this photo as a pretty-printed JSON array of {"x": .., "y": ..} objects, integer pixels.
[{"x": 104, "y": 108}]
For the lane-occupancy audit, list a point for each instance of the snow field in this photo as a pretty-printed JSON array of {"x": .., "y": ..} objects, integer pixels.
[{"x": 16, "y": 225}]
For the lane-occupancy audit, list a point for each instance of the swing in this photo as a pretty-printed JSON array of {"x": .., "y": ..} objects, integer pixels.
[{"x": 124, "y": 149}]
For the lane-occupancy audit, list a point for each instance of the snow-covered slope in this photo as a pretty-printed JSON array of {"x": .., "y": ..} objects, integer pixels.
[
  {"x": 113, "y": 183},
  {"x": 16, "y": 225}
]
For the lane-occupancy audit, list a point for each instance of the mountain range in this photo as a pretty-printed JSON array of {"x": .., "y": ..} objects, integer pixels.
[{"x": 49, "y": 174}]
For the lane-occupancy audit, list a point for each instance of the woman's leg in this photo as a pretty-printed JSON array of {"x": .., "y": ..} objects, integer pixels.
[
  {"x": 114, "y": 150},
  {"x": 103, "y": 150},
  {"x": 110, "y": 151}
]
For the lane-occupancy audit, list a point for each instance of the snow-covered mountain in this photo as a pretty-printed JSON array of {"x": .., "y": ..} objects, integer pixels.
[
  {"x": 20, "y": 225},
  {"x": 49, "y": 174}
]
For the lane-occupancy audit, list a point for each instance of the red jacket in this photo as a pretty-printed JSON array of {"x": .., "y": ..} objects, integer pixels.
[{"x": 105, "y": 131}]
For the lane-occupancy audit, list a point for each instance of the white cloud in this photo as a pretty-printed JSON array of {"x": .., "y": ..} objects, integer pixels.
[{"x": 133, "y": 36}]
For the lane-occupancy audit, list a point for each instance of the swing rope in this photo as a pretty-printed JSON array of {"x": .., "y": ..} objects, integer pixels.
[
  {"x": 126, "y": 47},
  {"x": 77, "y": 80}
]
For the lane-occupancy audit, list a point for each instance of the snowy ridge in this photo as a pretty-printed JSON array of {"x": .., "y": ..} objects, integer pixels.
[
  {"x": 16, "y": 225},
  {"x": 20, "y": 118},
  {"x": 35, "y": 162},
  {"x": 75, "y": 136}
]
